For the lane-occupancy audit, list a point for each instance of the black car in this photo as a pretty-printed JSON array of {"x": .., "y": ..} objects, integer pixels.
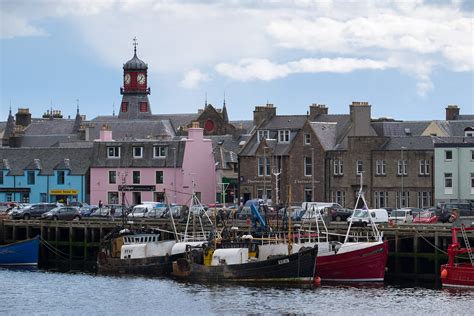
[
  {"x": 340, "y": 214},
  {"x": 464, "y": 209},
  {"x": 32, "y": 211}
]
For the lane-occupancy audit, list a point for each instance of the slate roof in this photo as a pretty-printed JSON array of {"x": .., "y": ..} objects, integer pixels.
[
  {"x": 134, "y": 129},
  {"x": 126, "y": 160},
  {"x": 284, "y": 122},
  {"x": 343, "y": 122},
  {"x": 245, "y": 125},
  {"x": 20, "y": 159},
  {"x": 400, "y": 128},
  {"x": 457, "y": 127},
  {"x": 50, "y": 127},
  {"x": 47, "y": 140},
  {"x": 410, "y": 143},
  {"x": 326, "y": 133}
]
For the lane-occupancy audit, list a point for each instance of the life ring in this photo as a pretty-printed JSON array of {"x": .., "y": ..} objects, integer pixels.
[{"x": 102, "y": 257}]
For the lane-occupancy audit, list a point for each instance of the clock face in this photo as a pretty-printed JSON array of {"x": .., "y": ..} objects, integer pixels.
[
  {"x": 126, "y": 79},
  {"x": 141, "y": 78}
]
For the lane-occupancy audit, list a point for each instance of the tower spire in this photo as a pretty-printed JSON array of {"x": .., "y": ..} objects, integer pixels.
[
  {"x": 113, "y": 109},
  {"x": 205, "y": 101},
  {"x": 77, "y": 106},
  {"x": 135, "y": 44}
]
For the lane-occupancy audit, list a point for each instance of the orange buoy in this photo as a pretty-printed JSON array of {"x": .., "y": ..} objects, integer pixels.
[
  {"x": 317, "y": 281},
  {"x": 444, "y": 274}
]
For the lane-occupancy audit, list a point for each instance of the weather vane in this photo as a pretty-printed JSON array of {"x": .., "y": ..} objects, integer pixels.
[{"x": 135, "y": 44}]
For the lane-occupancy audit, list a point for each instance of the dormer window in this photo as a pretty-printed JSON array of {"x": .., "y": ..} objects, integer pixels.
[
  {"x": 284, "y": 136},
  {"x": 113, "y": 152},
  {"x": 469, "y": 132},
  {"x": 262, "y": 134},
  {"x": 137, "y": 152},
  {"x": 307, "y": 139},
  {"x": 159, "y": 152}
]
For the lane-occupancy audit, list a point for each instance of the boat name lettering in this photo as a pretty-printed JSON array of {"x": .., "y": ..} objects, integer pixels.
[{"x": 283, "y": 261}]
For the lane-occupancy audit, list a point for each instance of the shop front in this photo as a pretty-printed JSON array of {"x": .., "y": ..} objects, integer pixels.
[
  {"x": 15, "y": 195},
  {"x": 63, "y": 195}
]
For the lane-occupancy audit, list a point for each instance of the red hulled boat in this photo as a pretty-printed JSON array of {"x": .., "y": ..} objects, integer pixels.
[{"x": 459, "y": 274}]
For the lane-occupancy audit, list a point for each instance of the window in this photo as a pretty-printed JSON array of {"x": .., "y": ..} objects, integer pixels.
[
  {"x": 263, "y": 166},
  {"x": 262, "y": 134},
  {"x": 113, "y": 152},
  {"x": 137, "y": 152},
  {"x": 159, "y": 152},
  {"x": 124, "y": 107},
  {"x": 338, "y": 170},
  {"x": 472, "y": 154},
  {"x": 30, "y": 177},
  {"x": 159, "y": 177},
  {"x": 308, "y": 195},
  {"x": 448, "y": 180},
  {"x": 61, "y": 176},
  {"x": 424, "y": 199},
  {"x": 359, "y": 167},
  {"x": 381, "y": 199},
  {"x": 112, "y": 177},
  {"x": 25, "y": 197},
  {"x": 338, "y": 197},
  {"x": 402, "y": 167},
  {"x": 380, "y": 167},
  {"x": 43, "y": 197},
  {"x": 9, "y": 197},
  {"x": 472, "y": 183},
  {"x": 112, "y": 198},
  {"x": 448, "y": 155},
  {"x": 424, "y": 167},
  {"x": 448, "y": 183},
  {"x": 1, "y": 177},
  {"x": 402, "y": 199},
  {"x": 307, "y": 139},
  {"x": 143, "y": 107},
  {"x": 284, "y": 136},
  {"x": 308, "y": 166},
  {"x": 136, "y": 177}
]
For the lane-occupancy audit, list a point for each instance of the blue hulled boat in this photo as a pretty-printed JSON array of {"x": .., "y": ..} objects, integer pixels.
[{"x": 21, "y": 253}]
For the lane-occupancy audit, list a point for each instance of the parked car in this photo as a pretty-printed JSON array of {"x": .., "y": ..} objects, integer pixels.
[
  {"x": 32, "y": 210},
  {"x": 361, "y": 217},
  {"x": 426, "y": 217},
  {"x": 87, "y": 211},
  {"x": 401, "y": 216},
  {"x": 62, "y": 213},
  {"x": 296, "y": 213},
  {"x": 464, "y": 209},
  {"x": 340, "y": 214},
  {"x": 444, "y": 216}
]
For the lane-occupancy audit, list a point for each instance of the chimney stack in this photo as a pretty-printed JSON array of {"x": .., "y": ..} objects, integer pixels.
[
  {"x": 23, "y": 117},
  {"x": 317, "y": 109},
  {"x": 262, "y": 113},
  {"x": 452, "y": 112}
]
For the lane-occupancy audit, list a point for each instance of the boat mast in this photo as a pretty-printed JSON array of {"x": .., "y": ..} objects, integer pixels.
[{"x": 290, "y": 237}]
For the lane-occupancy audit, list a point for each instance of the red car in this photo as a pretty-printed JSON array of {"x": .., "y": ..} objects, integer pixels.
[{"x": 426, "y": 217}]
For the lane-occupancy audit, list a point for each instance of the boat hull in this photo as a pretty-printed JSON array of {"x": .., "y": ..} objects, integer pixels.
[
  {"x": 363, "y": 264},
  {"x": 151, "y": 266},
  {"x": 298, "y": 268},
  {"x": 458, "y": 275},
  {"x": 22, "y": 253}
]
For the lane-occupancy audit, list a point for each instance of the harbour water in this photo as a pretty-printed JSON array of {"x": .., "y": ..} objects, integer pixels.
[{"x": 53, "y": 293}]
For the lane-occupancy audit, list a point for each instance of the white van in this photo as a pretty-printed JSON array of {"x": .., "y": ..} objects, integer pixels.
[
  {"x": 140, "y": 210},
  {"x": 400, "y": 216},
  {"x": 361, "y": 217}
]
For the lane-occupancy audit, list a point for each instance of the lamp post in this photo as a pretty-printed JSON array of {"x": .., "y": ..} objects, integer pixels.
[
  {"x": 123, "y": 181},
  {"x": 265, "y": 174},
  {"x": 174, "y": 172},
  {"x": 402, "y": 195}
]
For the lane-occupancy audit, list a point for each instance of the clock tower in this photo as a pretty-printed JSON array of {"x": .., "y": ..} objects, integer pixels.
[{"x": 135, "y": 103}]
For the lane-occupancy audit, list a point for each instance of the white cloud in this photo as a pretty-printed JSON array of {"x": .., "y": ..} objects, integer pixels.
[
  {"x": 263, "y": 69},
  {"x": 242, "y": 39},
  {"x": 193, "y": 78}
]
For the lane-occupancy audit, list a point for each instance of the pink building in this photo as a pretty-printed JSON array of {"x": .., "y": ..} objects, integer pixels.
[{"x": 152, "y": 170}]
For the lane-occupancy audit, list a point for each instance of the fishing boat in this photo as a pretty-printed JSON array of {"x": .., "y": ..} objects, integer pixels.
[
  {"x": 239, "y": 263},
  {"x": 143, "y": 252},
  {"x": 459, "y": 274},
  {"x": 21, "y": 253},
  {"x": 360, "y": 258}
]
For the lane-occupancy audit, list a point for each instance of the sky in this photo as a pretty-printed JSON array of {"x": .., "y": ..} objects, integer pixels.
[{"x": 408, "y": 59}]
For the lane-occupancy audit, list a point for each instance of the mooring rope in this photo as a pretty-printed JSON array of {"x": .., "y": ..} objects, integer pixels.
[{"x": 56, "y": 250}]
